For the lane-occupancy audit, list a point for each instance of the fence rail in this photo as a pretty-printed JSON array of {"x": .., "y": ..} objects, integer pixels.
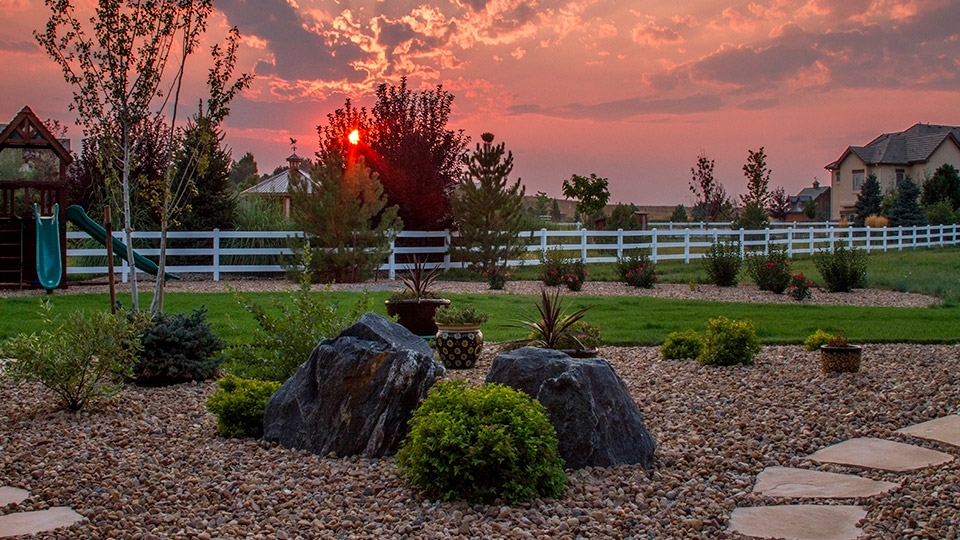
[{"x": 217, "y": 252}]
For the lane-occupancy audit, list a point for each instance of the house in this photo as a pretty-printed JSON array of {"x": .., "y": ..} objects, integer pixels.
[
  {"x": 915, "y": 153},
  {"x": 798, "y": 203},
  {"x": 277, "y": 187}
]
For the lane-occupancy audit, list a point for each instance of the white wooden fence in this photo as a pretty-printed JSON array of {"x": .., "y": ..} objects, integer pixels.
[{"x": 225, "y": 253}]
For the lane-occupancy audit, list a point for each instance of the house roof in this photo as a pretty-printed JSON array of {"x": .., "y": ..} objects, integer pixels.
[
  {"x": 915, "y": 145},
  {"x": 797, "y": 201}
]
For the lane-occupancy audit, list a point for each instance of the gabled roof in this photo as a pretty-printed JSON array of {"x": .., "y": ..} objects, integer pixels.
[
  {"x": 797, "y": 201},
  {"x": 915, "y": 145},
  {"x": 278, "y": 184},
  {"x": 27, "y": 131}
]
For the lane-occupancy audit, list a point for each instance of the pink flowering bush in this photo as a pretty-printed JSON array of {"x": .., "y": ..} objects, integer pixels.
[
  {"x": 556, "y": 271},
  {"x": 771, "y": 272},
  {"x": 799, "y": 287},
  {"x": 636, "y": 270}
]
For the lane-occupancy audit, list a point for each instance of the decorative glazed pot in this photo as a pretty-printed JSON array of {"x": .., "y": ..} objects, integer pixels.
[
  {"x": 840, "y": 359},
  {"x": 416, "y": 315},
  {"x": 459, "y": 346}
]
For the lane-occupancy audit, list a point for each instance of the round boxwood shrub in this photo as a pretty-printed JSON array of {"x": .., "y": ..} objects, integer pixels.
[
  {"x": 178, "y": 348},
  {"x": 239, "y": 405},
  {"x": 480, "y": 444},
  {"x": 815, "y": 340},
  {"x": 678, "y": 345},
  {"x": 729, "y": 342}
]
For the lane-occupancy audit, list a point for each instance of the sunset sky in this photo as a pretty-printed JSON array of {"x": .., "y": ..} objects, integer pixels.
[{"x": 631, "y": 90}]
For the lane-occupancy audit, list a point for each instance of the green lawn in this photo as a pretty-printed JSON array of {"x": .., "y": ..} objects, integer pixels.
[{"x": 624, "y": 320}]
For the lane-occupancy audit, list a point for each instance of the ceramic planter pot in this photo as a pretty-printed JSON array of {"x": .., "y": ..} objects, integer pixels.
[
  {"x": 416, "y": 315},
  {"x": 459, "y": 346},
  {"x": 840, "y": 359}
]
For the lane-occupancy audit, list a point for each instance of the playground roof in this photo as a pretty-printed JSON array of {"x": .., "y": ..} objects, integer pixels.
[{"x": 27, "y": 131}]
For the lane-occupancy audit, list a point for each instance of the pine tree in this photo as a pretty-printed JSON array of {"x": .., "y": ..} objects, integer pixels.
[
  {"x": 869, "y": 201},
  {"x": 211, "y": 201},
  {"x": 488, "y": 211},
  {"x": 906, "y": 211},
  {"x": 555, "y": 214},
  {"x": 758, "y": 179},
  {"x": 343, "y": 212},
  {"x": 679, "y": 214}
]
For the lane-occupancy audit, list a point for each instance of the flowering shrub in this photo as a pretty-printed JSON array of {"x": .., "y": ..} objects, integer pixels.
[
  {"x": 637, "y": 270},
  {"x": 771, "y": 272},
  {"x": 574, "y": 274},
  {"x": 552, "y": 268},
  {"x": 497, "y": 278},
  {"x": 800, "y": 287}
]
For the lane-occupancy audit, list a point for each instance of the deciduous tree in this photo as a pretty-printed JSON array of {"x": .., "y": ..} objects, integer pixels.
[
  {"x": 779, "y": 204},
  {"x": 710, "y": 197},
  {"x": 590, "y": 193},
  {"x": 758, "y": 179}
]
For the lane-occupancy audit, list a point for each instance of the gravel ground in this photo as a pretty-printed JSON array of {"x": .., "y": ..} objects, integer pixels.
[
  {"x": 741, "y": 293},
  {"x": 150, "y": 464}
]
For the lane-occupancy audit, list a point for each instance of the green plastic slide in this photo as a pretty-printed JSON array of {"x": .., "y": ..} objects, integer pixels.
[
  {"x": 49, "y": 267},
  {"x": 78, "y": 217}
]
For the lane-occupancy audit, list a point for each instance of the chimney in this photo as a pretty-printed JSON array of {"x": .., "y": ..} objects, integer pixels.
[
  {"x": 294, "y": 161},
  {"x": 816, "y": 184}
]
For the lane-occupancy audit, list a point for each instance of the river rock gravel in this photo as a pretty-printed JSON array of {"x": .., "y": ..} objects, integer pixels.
[{"x": 149, "y": 463}]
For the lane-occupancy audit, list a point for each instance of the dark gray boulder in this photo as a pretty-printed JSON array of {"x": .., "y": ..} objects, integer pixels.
[
  {"x": 355, "y": 393},
  {"x": 597, "y": 422}
]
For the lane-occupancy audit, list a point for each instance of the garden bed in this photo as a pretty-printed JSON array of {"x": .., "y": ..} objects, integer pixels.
[{"x": 150, "y": 465}]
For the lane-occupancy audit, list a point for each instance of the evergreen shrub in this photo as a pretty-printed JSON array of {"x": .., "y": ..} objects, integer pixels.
[
  {"x": 722, "y": 263},
  {"x": 679, "y": 345},
  {"x": 729, "y": 342},
  {"x": 842, "y": 270},
  {"x": 480, "y": 444},
  {"x": 817, "y": 339},
  {"x": 178, "y": 348},
  {"x": 239, "y": 405}
]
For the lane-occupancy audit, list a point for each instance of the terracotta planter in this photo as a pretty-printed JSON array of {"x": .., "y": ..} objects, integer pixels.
[
  {"x": 840, "y": 359},
  {"x": 416, "y": 315},
  {"x": 459, "y": 346}
]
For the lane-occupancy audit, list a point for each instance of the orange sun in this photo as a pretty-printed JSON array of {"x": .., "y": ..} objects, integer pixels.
[{"x": 354, "y": 136}]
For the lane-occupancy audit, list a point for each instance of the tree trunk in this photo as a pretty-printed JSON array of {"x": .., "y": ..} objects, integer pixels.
[{"x": 127, "y": 221}]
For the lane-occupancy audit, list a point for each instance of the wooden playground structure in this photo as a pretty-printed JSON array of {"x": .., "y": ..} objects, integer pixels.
[{"x": 18, "y": 226}]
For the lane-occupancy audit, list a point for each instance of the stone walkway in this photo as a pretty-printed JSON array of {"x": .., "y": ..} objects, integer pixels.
[
  {"x": 22, "y": 523},
  {"x": 839, "y": 522}
]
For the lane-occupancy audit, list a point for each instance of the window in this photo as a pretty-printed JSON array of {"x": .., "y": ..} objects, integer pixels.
[
  {"x": 901, "y": 174},
  {"x": 837, "y": 177},
  {"x": 857, "y": 179}
]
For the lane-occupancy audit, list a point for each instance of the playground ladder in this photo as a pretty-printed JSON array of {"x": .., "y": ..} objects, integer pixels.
[{"x": 11, "y": 252}]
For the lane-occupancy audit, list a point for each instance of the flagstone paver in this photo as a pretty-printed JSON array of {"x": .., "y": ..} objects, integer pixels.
[
  {"x": 12, "y": 495},
  {"x": 22, "y": 523},
  {"x": 803, "y": 483},
  {"x": 799, "y": 522},
  {"x": 871, "y": 453},
  {"x": 946, "y": 429}
]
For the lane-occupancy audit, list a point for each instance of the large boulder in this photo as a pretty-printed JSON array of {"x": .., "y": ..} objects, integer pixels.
[
  {"x": 597, "y": 422},
  {"x": 355, "y": 393}
]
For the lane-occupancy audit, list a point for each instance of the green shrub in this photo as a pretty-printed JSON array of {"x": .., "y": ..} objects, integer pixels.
[
  {"x": 729, "y": 342},
  {"x": 480, "y": 444},
  {"x": 178, "y": 348},
  {"x": 843, "y": 270},
  {"x": 800, "y": 287},
  {"x": 552, "y": 267},
  {"x": 771, "y": 272},
  {"x": 722, "y": 263},
  {"x": 580, "y": 335},
  {"x": 85, "y": 358},
  {"x": 678, "y": 345},
  {"x": 636, "y": 270},
  {"x": 817, "y": 339},
  {"x": 283, "y": 341},
  {"x": 574, "y": 274},
  {"x": 239, "y": 405}
]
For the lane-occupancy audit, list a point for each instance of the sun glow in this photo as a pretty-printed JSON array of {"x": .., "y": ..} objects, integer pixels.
[{"x": 354, "y": 136}]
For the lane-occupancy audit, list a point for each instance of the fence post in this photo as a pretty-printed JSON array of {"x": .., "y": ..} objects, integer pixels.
[
  {"x": 619, "y": 243},
  {"x": 686, "y": 246},
  {"x": 583, "y": 245},
  {"x": 742, "y": 237},
  {"x": 790, "y": 241},
  {"x": 832, "y": 230},
  {"x": 850, "y": 237},
  {"x": 543, "y": 241},
  {"x": 216, "y": 254},
  {"x": 653, "y": 244},
  {"x": 392, "y": 260},
  {"x": 884, "y": 238},
  {"x": 446, "y": 247},
  {"x": 811, "y": 238},
  {"x": 766, "y": 241}
]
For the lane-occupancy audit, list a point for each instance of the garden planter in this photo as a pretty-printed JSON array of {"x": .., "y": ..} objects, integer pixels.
[
  {"x": 416, "y": 315},
  {"x": 459, "y": 346},
  {"x": 845, "y": 359}
]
